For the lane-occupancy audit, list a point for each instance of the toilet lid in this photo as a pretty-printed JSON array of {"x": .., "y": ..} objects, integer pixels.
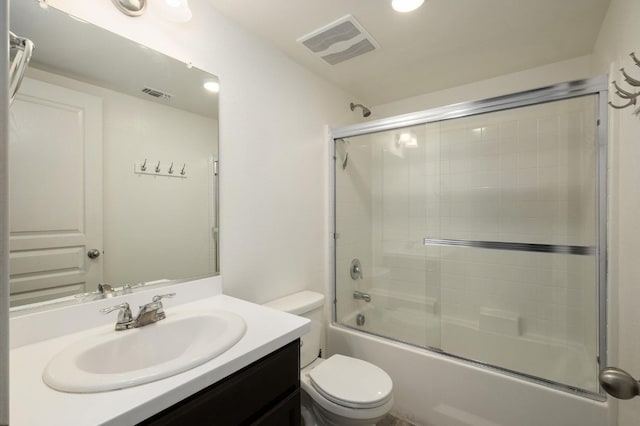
[{"x": 351, "y": 382}]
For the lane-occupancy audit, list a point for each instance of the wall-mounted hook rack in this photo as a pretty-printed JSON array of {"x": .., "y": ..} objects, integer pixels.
[
  {"x": 142, "y": 168},
  {"x": 630, "y": 97}
]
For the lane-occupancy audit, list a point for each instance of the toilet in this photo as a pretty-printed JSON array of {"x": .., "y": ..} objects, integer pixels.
[{"x": 340, "y": 390}]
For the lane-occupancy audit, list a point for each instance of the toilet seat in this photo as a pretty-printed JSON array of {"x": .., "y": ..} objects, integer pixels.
[{"x": 351, "y": 382}]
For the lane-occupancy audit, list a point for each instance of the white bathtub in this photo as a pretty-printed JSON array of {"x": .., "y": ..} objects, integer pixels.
[
  {"x": 433, "y": 389},
  {"x": 561, "y": 362}
]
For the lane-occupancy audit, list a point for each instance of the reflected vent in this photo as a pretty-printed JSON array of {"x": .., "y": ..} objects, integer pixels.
[
  {"x": 156, "y": 93},
  {"x": 339, "y": 41}
]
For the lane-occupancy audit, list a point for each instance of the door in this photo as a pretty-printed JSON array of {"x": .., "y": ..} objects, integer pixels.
[{"x": 55, "y": 152}]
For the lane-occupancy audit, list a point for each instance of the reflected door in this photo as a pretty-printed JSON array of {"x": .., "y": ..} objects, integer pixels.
[{"x": 55, "y": 192}]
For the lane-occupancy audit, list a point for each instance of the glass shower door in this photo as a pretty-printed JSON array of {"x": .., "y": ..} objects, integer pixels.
[{"x": 478, "y": 237}]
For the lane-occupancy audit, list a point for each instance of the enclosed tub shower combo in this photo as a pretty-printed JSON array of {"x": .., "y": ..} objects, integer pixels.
[{"x": 477, "y": 231}]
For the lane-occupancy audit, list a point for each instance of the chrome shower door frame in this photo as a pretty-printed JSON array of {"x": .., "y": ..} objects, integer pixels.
[{"x": 567, "y": 90}]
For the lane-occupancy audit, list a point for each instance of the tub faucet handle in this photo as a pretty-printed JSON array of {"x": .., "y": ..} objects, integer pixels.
[{"x": 356, "y": 269}]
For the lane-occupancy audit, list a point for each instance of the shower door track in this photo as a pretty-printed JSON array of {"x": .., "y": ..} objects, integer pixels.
[{"x": 499, "y": 245}]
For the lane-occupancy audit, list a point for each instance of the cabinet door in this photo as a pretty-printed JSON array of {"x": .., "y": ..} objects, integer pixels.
[
  {"x": 287, "y": 413},
  {"x": 253, "y": 395}
]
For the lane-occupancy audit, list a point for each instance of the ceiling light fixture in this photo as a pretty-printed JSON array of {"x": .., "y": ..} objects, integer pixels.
[{"x": 406, "y": 5}]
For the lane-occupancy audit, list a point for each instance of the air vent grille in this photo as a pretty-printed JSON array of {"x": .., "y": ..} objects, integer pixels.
[
  {"x": 339, "y": 41},
  {"x": 156, "y": 93}
]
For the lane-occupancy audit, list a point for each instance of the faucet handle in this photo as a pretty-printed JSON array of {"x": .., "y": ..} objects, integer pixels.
[
  {"x": 158, "y": 297},
  {"x": 124, "y": 315}
]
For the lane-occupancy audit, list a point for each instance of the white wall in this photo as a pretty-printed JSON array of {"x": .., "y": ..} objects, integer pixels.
[
  {"x": 273, "y": 147},
  {"x": 546, "y": 75},
  {"x": 619, "y": 36}
]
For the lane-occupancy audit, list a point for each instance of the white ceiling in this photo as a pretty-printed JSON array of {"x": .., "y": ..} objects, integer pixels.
[{"x": 443, "y": 44}]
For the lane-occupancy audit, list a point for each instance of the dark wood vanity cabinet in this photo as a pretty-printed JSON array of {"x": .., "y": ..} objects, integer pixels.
[{"x": 265, "y": 393}]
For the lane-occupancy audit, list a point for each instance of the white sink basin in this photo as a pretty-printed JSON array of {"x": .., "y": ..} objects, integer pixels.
[{"x": 120, "y": 359}]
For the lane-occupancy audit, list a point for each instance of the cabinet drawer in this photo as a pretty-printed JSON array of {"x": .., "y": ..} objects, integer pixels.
[{"x": 243, "y": 398}]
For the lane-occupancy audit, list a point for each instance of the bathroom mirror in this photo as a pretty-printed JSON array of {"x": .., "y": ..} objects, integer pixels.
[{"x": 113, "y": 163}]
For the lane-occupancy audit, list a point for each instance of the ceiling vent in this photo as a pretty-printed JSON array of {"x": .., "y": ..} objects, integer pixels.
[
  {"x": 339, "y": 41},
  {"x": 156, "y": 93}
]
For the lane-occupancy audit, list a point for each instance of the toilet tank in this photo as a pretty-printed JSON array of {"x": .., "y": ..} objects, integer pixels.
[{"x": 307, "y": 304}]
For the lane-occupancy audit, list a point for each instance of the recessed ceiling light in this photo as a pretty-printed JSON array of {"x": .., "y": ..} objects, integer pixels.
[
  {"x": 212, "y": 86},
  {"x": 406, "y": 5}
]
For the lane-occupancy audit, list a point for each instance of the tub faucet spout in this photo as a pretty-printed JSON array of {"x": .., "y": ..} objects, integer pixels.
[{"x": 362, "y": 296}]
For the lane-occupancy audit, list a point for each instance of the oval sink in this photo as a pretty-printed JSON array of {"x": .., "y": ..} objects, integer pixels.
[{"x": 120, "y": 359}]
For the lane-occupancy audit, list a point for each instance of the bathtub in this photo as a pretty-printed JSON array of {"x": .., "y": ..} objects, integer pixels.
[{"x": 435, "y": 389}]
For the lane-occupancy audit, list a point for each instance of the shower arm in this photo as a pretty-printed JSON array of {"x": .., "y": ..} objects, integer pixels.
[{"x": 19, "y": 65}]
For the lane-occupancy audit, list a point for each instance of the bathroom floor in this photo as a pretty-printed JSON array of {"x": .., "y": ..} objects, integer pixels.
[{"x": 389, "y": 420}]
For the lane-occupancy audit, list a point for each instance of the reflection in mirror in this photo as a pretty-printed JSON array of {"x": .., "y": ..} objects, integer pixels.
[{"x": 113, "y": 158}]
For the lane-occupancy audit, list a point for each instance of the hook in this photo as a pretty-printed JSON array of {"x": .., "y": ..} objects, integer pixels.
[
  {"x": 171, "y": 168},
  {"x": 158, "y": 168},
  {"x": 623, "y": 93},
  {"x": 182, "y": 172},
  {"x": 631, "y": 102},
  {"x": 635, "y": 59},
  {"x": 632, "y": 81},
  {"x": 144, "y": 166}
]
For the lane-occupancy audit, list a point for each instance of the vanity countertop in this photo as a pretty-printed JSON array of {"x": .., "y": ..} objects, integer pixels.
[{"x": 33, "y": 403}]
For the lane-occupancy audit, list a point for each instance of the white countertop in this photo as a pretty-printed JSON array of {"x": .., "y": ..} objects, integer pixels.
[{"x": 33, "y": 403}]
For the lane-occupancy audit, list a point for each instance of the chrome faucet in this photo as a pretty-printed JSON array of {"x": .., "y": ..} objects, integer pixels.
[
  {"x": 105, "y": 290},
  {"x": 125, "y": 319},
  {"x": 362, "y": 296},
  {"x": 148, "y": 314}
]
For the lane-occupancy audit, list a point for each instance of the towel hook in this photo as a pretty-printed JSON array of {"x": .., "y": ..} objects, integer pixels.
[
  {"x": 171, "y": 168},
  {"x": 158, "y": 168},
  {"x": 182, "y": 172},
  {"x": 144, "y": 166}
]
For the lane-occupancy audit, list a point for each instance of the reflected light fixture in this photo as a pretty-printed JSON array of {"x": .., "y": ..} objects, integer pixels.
[
  {"x": 170, "y": 10},
  {"x": 406, "y": 5},
  {"x": 212, "y": 86},
  {"x": 175, "y": 10},
  {"x": 407, "y": 139}
]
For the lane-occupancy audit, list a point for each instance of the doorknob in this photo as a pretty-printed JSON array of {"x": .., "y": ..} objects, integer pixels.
[
  {"x": 93, "y": 253},
  {"x": 618, "y": 383}
]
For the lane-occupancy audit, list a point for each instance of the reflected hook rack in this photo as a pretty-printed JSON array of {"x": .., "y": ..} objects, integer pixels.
[{"x": 142, "y": 168}]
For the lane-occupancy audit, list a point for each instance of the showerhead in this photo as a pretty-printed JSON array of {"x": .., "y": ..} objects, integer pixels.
[{"x": 365, "y": 111}]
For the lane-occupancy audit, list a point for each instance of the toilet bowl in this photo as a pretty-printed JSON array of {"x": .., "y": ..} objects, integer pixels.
[
  {"x": 346, "y": 391},
  {"x": 341, "y": 390}
]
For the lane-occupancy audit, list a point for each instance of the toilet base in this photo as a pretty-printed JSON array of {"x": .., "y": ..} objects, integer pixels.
[{"x": 314, "y": 415}]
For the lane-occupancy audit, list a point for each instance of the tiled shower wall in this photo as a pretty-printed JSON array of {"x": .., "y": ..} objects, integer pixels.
[{"x": 524, "y": 175}]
